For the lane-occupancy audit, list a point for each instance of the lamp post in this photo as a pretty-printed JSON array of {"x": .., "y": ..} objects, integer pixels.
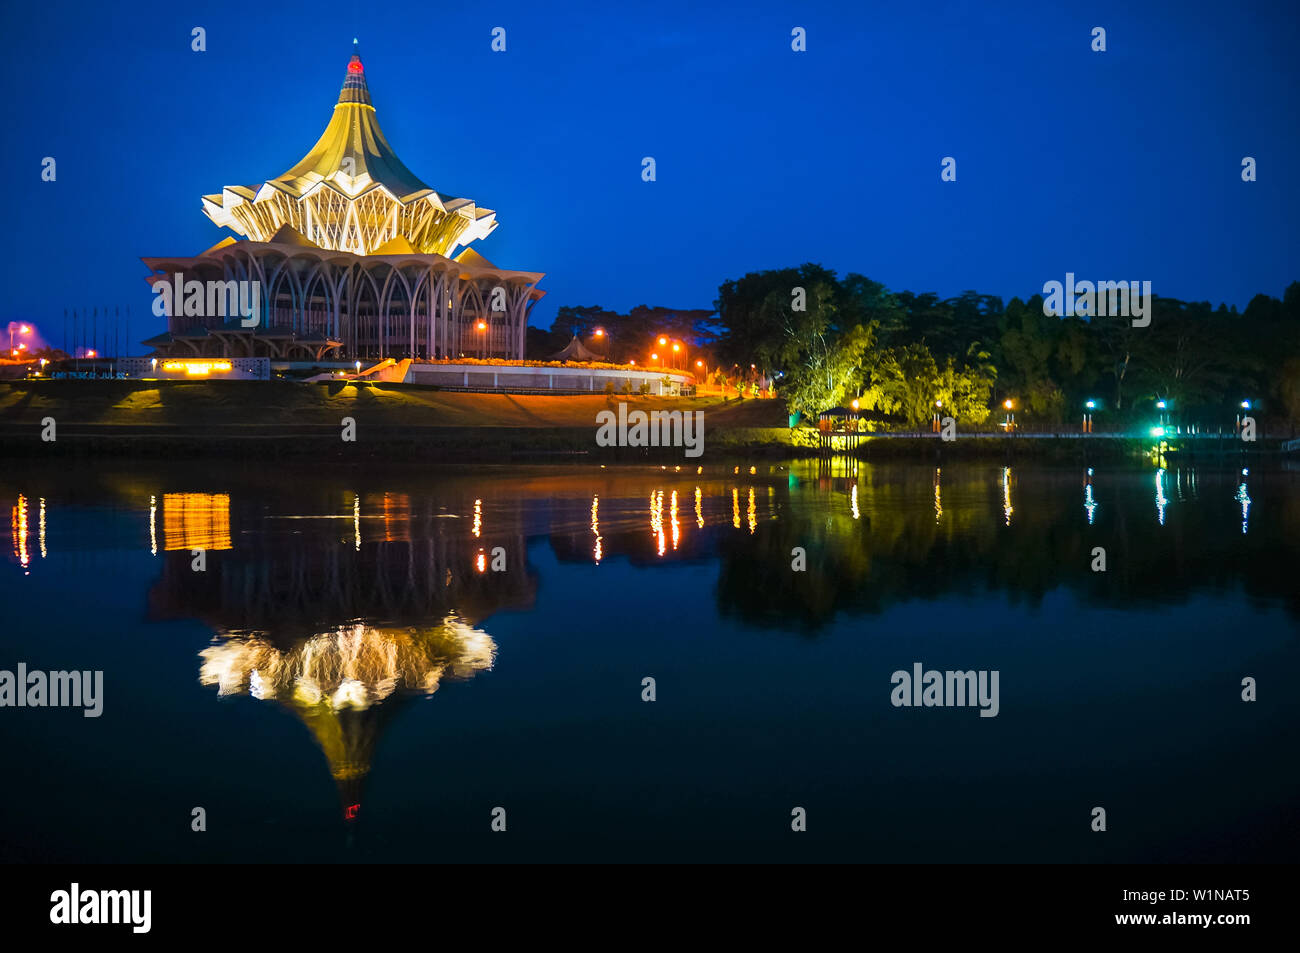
[
  {"x": 1245, "y": 405},
  {"x": 934, "y": 422},
  {"x": 22, "y": 329},
  {"x": 1008, "y": 405},
  {"x": 1088, "y": 406}
]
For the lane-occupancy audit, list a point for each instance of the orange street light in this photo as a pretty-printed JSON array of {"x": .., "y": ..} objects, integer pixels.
[
  {"x": 1007, "y": 403},
  {"x": 90, "y": 354},
  {"x": 482, "y": 325},
  {"x": 699, "y": 363},
  {"x": 677, "y": 347},
  {"x": 663, "y": 340},
  {"x": 24, "y": 330},
  {"x": 600, "y": 332},
  {"x": 654, "y": 357}
]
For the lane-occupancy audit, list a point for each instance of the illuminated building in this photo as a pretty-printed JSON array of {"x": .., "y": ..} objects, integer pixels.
[{"x": 355, "y": 259}]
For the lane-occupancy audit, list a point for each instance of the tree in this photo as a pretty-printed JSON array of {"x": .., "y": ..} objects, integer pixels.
[{"x": 905, "y": 381}]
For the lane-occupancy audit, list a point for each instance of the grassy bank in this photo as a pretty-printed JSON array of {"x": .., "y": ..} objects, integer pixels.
[{"x": 270, "y": 420}]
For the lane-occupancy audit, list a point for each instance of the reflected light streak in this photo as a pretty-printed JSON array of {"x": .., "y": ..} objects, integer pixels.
[
  {"x": 595, "y": 525},
  {"x": 1007, "y": 508},
  {"x": 699, "y": 508},
  {"x": 42, "y": 531},
  {"x": 1243, "y": 497},
  {"x": 18, "y": 530},
  {"x": 657, "y": 519},
  {"x": 1161, "y": 500},
  {"x": 478, "y": 518},
  {"x": 735, "y": 507},
  {"x": 672, "y": 517},
  {"x": 853, "y": 501},
  {"x": 153, "y": 525},
  {"x": 938, "y": 495},
  {"x": 751, "y": 513},
  {"x": 356, "y": 520}
]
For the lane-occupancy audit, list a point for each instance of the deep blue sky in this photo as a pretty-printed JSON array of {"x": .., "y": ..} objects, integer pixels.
[{"x": 1123, "y": 165}]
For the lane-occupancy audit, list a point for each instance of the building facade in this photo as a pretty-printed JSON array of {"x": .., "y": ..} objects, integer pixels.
[{"x": 353, "y": 257}]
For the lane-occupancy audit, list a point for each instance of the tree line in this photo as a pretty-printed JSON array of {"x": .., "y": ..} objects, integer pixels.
[
  {"x": 832, "y": 339},
  {"x": 829, "y": 340}
]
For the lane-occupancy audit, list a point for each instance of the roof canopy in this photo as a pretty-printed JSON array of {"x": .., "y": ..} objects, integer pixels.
[
  {"x": 576, "y": 351},
  {"x": 350, "y": 192}
]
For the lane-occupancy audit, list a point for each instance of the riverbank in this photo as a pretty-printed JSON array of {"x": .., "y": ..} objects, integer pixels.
[{"x": 277, "y": 420}]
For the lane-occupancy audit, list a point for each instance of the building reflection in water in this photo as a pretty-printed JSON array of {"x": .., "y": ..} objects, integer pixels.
[
  {"x": 1089, "y": 503},
  {"x": 1162, "y": 501},
  {"x": 335, "y": 680},
  {"x": 343, "y": 636},
  {"x": 196, "y": 521}
]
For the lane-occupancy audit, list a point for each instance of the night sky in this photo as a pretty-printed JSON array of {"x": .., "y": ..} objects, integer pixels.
[{"x": 1123, "y": 165}]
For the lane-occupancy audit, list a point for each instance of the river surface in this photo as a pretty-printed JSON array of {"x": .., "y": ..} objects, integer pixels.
[{"x": 366, "y": 664}]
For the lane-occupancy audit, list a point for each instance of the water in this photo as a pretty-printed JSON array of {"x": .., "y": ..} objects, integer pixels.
[{"x": 349, "y": 679}]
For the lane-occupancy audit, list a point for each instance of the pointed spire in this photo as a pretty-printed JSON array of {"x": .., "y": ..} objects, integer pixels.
[{"x": 354, "y": 82}]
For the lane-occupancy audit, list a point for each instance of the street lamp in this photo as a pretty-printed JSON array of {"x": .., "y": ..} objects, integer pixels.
[
  {"x": 1089, "y": 406},
  {"x": 1009, "y": 405},
  {"x": 22, "y": 329},
  {"x": 935, "y": 423},
  {"x": 1245, "y": 405}
]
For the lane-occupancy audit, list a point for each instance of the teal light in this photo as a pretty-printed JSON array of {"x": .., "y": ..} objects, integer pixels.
[
  {"x": 1160, "y": 404},
  {"x": 1157, "y": 431}
]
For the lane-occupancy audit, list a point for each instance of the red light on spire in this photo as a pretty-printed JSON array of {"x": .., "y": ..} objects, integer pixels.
[{"x": 355, "y": 67}]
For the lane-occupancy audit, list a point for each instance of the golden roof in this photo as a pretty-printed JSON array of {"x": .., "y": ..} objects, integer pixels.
[{"x": 351, "y": 192}]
